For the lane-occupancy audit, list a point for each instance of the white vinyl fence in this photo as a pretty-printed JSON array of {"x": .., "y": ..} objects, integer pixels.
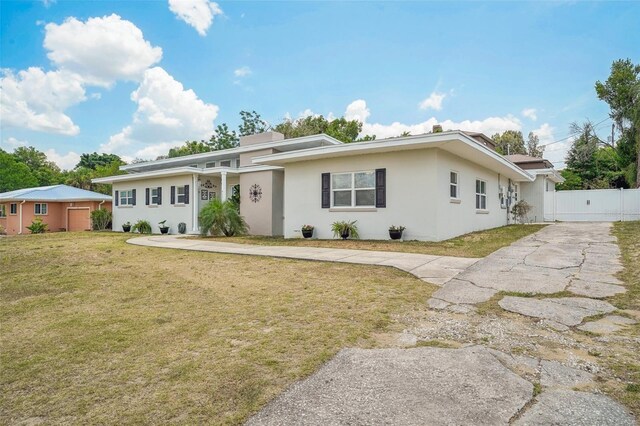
[{"x": 598, "y": 205}]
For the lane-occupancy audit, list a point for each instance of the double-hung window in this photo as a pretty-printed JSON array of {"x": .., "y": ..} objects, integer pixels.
[
  {"x": 40, "y": 208},
  {"x": 454, "y": 189},
  {"x": 3, "y": 210},
  {"x": 354, "y": 189},
  {"x": 481, "y": 194},
  {"x": 155, "y": 196},
  {"x": 126, "y": 197},
  {"x": 181, "y": 194}
]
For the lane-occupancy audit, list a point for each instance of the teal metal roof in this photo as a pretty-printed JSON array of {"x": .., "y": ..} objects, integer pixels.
[{"x": 53, "y": 193}]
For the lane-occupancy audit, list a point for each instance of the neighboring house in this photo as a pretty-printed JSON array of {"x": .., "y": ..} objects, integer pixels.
[
  {"x": 61, "y": 207},
  {"x": 546, "y": 178},
  {"x": 437, "y": 185}
]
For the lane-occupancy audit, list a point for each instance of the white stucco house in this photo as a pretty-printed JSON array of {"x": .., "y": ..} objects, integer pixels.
[{"x": 437, "y": 185}]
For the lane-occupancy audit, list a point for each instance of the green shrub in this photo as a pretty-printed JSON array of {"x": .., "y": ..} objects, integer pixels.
[
  {"x": 38, "y": 226},
  {"x": 142, "y": 226},
  {"x": 343, "y": 227},
  {"x": 520, "y": 211},
  {"x": 219, "y": 217},
  {"x": 100, "y": 219}
]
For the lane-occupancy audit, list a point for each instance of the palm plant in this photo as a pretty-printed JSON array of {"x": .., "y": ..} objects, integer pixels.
[
  {"x": 219, "y": 217},
  {"x": 344, "y": 229}
]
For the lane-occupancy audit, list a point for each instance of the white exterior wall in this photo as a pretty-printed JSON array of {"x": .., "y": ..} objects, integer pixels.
[
  {"x": 173, "y": 214},
  {"x": 533, "y": 194},
  {"x": 417, "y": 192},
  {"x": 454, "y": 218}
]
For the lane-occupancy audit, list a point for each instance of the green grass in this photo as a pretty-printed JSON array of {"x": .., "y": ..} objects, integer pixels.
[
  {"x": 628, "y": 234},
  {"x": 97, "y": 331},
  {"x": 476, "y": 244}
]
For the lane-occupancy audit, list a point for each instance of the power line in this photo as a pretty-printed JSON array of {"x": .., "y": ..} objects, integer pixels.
[{"x": 572, "y": 135}]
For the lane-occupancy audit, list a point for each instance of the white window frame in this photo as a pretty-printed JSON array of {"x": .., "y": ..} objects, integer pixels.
[
  {"x": 237, "y": 163},
  {"x": 481, "y": 196},
  {"x": 153, "y": 193},
  {"x": 183, "y": 195},
  {"x": 225, "y": 163},
  {"x": 210, "y": 165},
  {"x": 353, "y": 189},
  {"x": 126, "y": 197},
  {"x": 40, "y": 209},
  {"x": 455, "y": 185},
  {"x": 13, "y": 209}
]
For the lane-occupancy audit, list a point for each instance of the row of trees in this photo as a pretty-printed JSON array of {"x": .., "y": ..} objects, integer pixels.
[
  {"x": 27, "y": 167},
  {"x": 594, "y": 163},
  {"x": 512, "y": 142}
]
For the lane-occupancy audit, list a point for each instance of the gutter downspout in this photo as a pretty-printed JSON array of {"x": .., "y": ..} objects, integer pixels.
[{"x": 24, "y": 201}]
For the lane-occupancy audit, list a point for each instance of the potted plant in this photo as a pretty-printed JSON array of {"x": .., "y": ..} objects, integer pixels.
[
  {"x": 307, "y": 231},
  {"x": 344, "y": 229},
  {"x": 126, "y": 227},
  {"x": 395, "y": 232},
  {"x": 164, "y": 229}
]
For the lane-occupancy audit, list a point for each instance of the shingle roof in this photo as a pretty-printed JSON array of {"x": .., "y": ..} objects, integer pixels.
[{"x": 53, "y": 193}]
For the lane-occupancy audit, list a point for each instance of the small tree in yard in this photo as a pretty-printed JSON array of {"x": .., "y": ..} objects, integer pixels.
[
  {"x": 100, "y": 219},
  {"x": 219, "y": 217},
  {"x": 38, "y": 226},
  {"x": 520, "y": 211}
]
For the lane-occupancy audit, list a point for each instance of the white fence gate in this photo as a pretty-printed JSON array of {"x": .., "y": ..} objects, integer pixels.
[{"x": 598, "y": 205}]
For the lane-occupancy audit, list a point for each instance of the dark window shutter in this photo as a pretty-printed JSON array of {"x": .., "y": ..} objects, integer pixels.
[
  {"x": 133, "y": 194},
  {"x": 146, "y": 196},
  {"x": 381, "y": 187},
  {"x": 173, "y": 195},
  {"x": 186, "y": 194},
  {"x": 326, "y": 190},
  {"x": 159, "y": 195},
  {"x": 117, "y": 198}
]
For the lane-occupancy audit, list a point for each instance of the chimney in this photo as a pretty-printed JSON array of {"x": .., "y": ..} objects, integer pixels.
[
  {"x": 437, "y": 128},
  {"x": 261, "y": 138}
]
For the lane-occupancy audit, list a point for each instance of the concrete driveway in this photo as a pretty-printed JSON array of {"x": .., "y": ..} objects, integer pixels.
[{"x": 475, "y": 384}]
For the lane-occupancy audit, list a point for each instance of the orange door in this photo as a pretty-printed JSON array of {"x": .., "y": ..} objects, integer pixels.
[{"x": 79, "y": 220}]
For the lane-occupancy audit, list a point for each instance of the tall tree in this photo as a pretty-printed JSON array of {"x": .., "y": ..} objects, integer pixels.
[
  {"x": 533, "y": 146},
  {"x": 622, "y": 92},
  {"x": 223, "y": 138},
  {"x": 15, "y": 174},
  {"x": 94, "y": 160},
  {"x": 509, "y": 142},
  {"x": 45, "y": 171},
  {"x": 252, "y": 123},
  {"x": 342, "y": 129},
  {"x": 190, "y": 147}
]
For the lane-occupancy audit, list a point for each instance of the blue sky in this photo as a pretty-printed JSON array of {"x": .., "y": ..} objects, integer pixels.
[{"x": 137, "y": 77}]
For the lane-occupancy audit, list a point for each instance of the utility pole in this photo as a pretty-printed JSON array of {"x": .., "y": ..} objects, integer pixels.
[{"x": 613, "y": 127}]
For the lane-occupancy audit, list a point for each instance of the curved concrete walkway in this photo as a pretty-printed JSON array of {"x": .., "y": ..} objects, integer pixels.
[{"x": 433, "y": 269}]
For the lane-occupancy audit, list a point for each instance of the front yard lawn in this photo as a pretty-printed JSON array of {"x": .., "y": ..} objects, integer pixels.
[
  {"x": 475, "y": 244},
  {"x": 98, "y": 331}
]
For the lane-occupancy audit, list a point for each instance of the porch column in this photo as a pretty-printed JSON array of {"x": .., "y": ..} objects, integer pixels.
[
  {"x": 195, "y": 197},
  {"x": 223, "y": 184}
]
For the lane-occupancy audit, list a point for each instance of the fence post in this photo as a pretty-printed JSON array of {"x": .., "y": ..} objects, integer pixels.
[
  {"x": 555, "y": 203},
  {"x": 621, "y": 204}
]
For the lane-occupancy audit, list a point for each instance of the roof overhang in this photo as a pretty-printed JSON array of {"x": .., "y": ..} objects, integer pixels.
[
  {"x": 455, "y": 142},
  {"x": 551, "y": 174},
  {"x": 285, "y": 145}
]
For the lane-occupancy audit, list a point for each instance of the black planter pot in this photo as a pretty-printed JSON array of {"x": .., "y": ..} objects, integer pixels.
[
  {"x": 126, "y": 228},
  {"x": 307, "y": 233},
  {"x": 164, "y": 230},
  {"x": 345, "y": 234},
  {"x": 395, "y": 235}
]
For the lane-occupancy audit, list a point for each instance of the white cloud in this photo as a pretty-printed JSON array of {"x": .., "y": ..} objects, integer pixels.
[
  {"x": 242, "y": 71},
  {"x": 434, "y": 101},
  {"x": 14, "y": 143},
  {"x": 530, "y": 113},
  {"x": 66, "y": 162},
  {"x": 197, "y": 13},
  {"x": 36, "y": 100},
  {"x": 48, "y": 3},
  {"x": 555, "y": 153},
  {"x": 100, "y": 50},
  {"x": 358, "y": 110},
  {"x": 167, "y": 114}
]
